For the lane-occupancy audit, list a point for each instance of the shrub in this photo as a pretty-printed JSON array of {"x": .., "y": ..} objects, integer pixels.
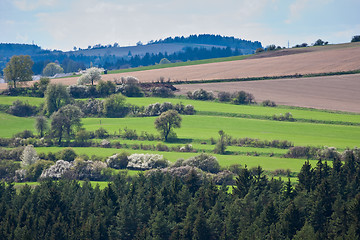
[
  {"x": 146, "y": 161},
  {"x": 189, "y": 110},
  {"x": 105, "y": 88},
  {"x": 242, "y": 98},
  {"x": 115, "y": 106},
  {"x": 161, "y": 147},
  {"x": 78, "y": 91},
  {"x": 67, "y": 154},
  {"x": 200, "y": 94},
  {"x": 224, "y": 177},
  {"x": 259, "y": 50},
  {"x": 101, "y": 133},
  {"x": 268, "y": 103},
  {"x": 205, "y": 162},
  {"x": 118, "y": 161},
  {"x": 24, "y": 134},
  {"x": 105, "y": 143},
  {"x": 57, "y": 170},
  {"x": 22, "y": 109},
  {"x": 287, "y": 117},
  {"x": 301, "y": 152},
  {"x": 163, "y": 92},
  {"x": 91, "y": 107},
  {"x": 130, "y": 134},
  {"x": 224, "y": 97}
]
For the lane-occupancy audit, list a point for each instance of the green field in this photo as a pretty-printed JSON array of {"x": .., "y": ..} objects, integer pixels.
[
  {"x": 255, "y": 110},
  {"x": 8, "y": 100},
  {"x": 11, "y": 124},
  {"x": 204, "y": 127}
]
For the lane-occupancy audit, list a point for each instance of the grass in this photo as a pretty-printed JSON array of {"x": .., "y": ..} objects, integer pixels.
[
  {"x": 252, "y": 110},
  {"x": 204, "y": 127},
  {"x": 267, "y": 163},
  {"x": 8, "y": 100},
  {"x": 11, "y": 124}
]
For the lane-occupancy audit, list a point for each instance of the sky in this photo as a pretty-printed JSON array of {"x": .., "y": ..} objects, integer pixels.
[{"x": 63, "y": 24}]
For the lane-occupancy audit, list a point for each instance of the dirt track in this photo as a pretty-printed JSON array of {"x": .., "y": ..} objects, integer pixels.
[{"x": 330, "y": 92}]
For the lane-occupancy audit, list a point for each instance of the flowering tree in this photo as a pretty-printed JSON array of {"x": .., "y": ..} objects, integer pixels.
[
  {"x": 29, "y": 156},
  {"x": 92, "y": 75}
]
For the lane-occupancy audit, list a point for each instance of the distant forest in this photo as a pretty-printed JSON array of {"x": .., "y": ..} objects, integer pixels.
[
  {"x": 211, "y": 39},
  {"x": 72, "y": 62}
]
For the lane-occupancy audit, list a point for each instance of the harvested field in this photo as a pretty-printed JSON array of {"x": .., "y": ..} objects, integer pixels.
[
  {"x": 334, "y": 58},
  {"x": 329, "y": 92}
]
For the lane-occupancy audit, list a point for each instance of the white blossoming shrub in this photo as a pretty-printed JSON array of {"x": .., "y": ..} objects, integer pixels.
[
  {"x": 57, "y": 170},
  {"x": 147, "y": 161},
  {"x": 205, "y": 162},
  {"x": 29, "y": 156}
]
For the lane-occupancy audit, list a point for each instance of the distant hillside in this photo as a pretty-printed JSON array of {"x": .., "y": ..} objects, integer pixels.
[{"x": 194, "y": 47}]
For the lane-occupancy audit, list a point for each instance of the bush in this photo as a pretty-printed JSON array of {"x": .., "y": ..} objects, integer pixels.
[
  {"x": 163, "y": 92},
  {"x": 130, "y": 134},
  {"x": 78, "y": 91},
  {"x": 91, "y": 107},
  {"x": 22, "y": 109},
  {"x": 301, "y": 152},
  {"x": 67, "y": 154},
  {"x": 189, "y": 110},
  {"x": 287, "y": 117},
  {"x": 200, "y": 94},
  {"x": 242, "y": 98},
  {"x": 118, "y": 161},
  {"x": 146, "y": 161},
  {"x": 268, "y": 103},
  {"x": 105, "y": 88},
  {"x": 203, "y": 161},
  {"x": 115, "y": 106},
  {"x": 24, "y": 134},
  {"x": 101, "y": 133},
  {"x": 224, "y": 97}
]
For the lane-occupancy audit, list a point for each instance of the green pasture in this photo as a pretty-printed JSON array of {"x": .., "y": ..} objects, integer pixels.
[
  {"x": 204, "y": 127},
  {"x": 8, "y": 100},
  {"x": 9, "y": 124},
  {"x": 267, "y": 163},
  {"x": 254, "y": 110}
]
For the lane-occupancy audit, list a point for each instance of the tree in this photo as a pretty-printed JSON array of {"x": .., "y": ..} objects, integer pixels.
[
  {"x": 221, "y": 144},
  {"x": 18, "y": 69},
  {"x": 115, "y": 106},
  {"x": 164, "y": 61},
  {"x": 29, "y": 156},
  {"x": 320, "y": 42},
  {"x": 92, "y": 75},
  {"x": 56, "y": 96},
  {"x": 355, "y": 38},
  {"x": 65, "y": 121},
  {"x": 166, "y": 122},
  {"x": 51, "y": 69},
  {"x": 243, "y": 182},
  {"x": 41, "y": 125}
]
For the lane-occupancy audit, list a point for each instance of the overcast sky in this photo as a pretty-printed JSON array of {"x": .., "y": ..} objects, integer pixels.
[{"x": 63, "y": 24}]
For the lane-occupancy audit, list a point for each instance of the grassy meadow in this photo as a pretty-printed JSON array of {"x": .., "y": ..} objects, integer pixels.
[{"x": 200, "y": 128}]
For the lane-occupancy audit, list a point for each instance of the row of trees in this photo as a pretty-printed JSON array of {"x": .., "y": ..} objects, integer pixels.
[{"x": 325, "y": 204}]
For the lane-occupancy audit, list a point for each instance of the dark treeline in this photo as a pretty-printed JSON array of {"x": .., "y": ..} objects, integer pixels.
[
  {"x": 212, "y": 39},
  {"x": 325, "y": 204}
]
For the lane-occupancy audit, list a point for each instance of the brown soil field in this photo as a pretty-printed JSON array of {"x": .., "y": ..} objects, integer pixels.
[{"x": 329, "y": 92}]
